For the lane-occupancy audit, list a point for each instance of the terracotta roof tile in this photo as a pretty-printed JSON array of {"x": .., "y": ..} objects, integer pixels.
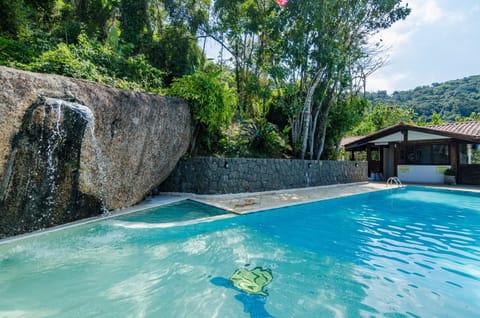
[
  {"x": 468, "y": 131},
  {"x": 347, "y": 140},
  {"x": 470, "y": 128}
]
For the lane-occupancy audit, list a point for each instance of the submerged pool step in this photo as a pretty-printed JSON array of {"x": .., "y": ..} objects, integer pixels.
[{"x": 163, "y": 225}]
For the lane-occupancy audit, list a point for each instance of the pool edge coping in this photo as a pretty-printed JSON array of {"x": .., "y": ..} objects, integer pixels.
[
  {"x": 143, "y": 205},
  {"x": 165, "y": 198}
]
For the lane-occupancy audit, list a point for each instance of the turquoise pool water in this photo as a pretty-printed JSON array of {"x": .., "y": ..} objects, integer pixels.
[{"x": 407, "y": 252}]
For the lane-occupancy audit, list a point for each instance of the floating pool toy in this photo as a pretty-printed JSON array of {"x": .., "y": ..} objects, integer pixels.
[{"x": 252, "y": 281}]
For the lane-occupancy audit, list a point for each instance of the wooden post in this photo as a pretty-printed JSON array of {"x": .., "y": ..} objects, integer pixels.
[
  {"x": 369, "y": 158},
  {"x": 454, "y": 155},
  {"x": 396, "y": 158},
  {"x": 454, "y": 160},
  {"x": 380, "y": 153}
]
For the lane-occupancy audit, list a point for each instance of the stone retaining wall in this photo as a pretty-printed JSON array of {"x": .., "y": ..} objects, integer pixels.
[{"x": 203, "y": 175}]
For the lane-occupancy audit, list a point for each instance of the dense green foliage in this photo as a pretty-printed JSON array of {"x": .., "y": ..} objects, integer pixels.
[
  {"x": 130, "y": 44},
  {"x": 382, "y": 116},
  {"x": 288, "y": 80},
  {"x": 450, "y": 100},
  {"x": 212, "y": 103},
  {"x": 302, "y": 62}
]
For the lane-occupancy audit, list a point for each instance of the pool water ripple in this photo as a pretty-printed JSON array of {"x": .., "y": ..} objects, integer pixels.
[{"x": 386, "y": 254}]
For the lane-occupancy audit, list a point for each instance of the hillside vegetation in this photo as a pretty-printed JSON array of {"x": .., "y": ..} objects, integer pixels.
[
  {"x": 450, "y": 100},
  {"x": 287, "y": 82}
]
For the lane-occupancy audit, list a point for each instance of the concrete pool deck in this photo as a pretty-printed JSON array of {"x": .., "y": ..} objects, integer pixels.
[{"x": 244, "y": 203}]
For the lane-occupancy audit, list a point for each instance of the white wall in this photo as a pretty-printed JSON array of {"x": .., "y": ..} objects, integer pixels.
[{"x": 421, "y": 174}]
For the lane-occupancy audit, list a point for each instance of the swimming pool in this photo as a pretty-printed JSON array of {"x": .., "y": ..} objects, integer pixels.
[{"x": 406, "y": 252}]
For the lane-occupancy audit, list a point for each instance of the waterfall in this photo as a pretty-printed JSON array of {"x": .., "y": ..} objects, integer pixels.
[
  {"x": 87, "y": 115},
  {"x": 52, "y": 145},
  {"x": 41, "y": 184}
]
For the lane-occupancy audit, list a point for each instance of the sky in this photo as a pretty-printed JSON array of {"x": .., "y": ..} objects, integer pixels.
[{"x": 439, "y": 41}]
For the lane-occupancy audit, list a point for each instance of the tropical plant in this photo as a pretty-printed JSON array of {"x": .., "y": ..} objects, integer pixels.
[
  {"x": 91, "y": 60},
  {"x": 303, "y": 62},
  {"x": 450, "y": 172},
  {"x": 380, "y": 116},
  {"x": 212, "y": 103}
]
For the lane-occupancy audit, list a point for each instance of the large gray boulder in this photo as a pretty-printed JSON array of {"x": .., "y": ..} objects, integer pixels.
[{"x": 70, "y": 148}]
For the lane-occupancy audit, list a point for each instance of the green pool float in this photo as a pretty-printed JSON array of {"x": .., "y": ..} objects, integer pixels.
[{"x": 252, "y": 281}]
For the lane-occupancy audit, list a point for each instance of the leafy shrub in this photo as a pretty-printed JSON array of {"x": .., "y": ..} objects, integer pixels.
[
  {"x": 15, "y": 51},
  {"x": 254, "y": 138},
  {"x": 64, "y": 61},
  {"x": 450, "y": 172},
  {"x": 212, "y": 104},
  {"x": 91, "y": 60}
]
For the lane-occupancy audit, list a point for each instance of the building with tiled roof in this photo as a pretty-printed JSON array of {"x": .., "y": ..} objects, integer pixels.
[
  {"x": 422, "y": 154},
  {"x": 466, "y": 128}
]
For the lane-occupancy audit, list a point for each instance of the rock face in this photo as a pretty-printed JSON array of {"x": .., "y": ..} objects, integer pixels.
[{"x": 70, "y": 147}]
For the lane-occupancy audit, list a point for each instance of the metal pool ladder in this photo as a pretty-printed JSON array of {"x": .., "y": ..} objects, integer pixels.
[{"x": 394, "y": 181}]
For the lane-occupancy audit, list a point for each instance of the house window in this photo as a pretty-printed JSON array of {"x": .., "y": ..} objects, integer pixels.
[
  {"x": 469, "y": 154},
  {"x": 440, "y": 154},
  {"x": 425, "y": 154}
]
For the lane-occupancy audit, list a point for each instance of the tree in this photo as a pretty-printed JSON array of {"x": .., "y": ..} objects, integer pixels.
[
  {"x": 163, "y": 53},
  {"x": 325, "y": 40},
  {"x": 246, "y": 31},
  {"x": 436, "y": 119},
  {"x": 344, "y": 116},
  {"x": 13, "y": 17},
  {"x": 451, "y": 99},
  {"x": 95, "y": 15},
  {"x": 133, "y": 15},
  {"x": 381, "y": 116},
  {"x": 172, "y": 27}
]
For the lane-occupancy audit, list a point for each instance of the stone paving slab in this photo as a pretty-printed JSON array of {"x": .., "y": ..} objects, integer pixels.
[{"x": 252, "y": 202}]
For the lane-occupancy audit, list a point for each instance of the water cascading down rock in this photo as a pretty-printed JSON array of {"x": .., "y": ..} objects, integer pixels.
[
  {"x": 71, "y": 148},
  {"x": 41, "y": 184}
]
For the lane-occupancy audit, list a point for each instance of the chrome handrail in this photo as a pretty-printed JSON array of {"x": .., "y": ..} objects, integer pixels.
[{"x": 394, "y": 180}]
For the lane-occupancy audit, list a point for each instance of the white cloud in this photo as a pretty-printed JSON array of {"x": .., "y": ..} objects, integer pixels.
[
  {"x": 402, "y": 31},
  {"x": 428, "y": 12},
  {"x": 415, "y": 44},
  {"x": 423, "y": 14},
  {"x": 386, "y": 81}
]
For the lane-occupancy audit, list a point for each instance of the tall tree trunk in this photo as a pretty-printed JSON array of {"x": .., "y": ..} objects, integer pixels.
[
  {"x": 322, "y": 129},
  {"x": 315, "y": 119},
  {"x": 312, "y": 132},
  {"x": 307, "y": 111}
]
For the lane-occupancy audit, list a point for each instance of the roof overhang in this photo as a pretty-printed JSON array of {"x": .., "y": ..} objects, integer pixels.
[{"x": 403, "y": 132}]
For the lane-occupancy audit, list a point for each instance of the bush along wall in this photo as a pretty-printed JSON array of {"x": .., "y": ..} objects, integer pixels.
[{"x": 206, "y": 175}]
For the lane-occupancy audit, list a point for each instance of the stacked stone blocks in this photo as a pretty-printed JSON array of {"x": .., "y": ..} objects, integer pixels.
[{"x": 208, "y": 175}]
